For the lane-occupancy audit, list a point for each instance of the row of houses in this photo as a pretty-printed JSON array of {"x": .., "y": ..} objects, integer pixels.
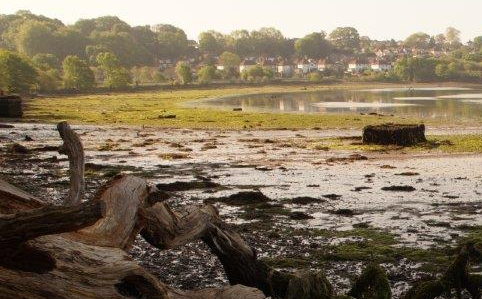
[
  {"x": 286, "y": 67},
  {"x": 303, "y": 66}
]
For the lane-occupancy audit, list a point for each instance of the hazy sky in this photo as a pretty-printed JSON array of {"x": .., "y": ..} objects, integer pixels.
[{"x": 379, "y": 19}]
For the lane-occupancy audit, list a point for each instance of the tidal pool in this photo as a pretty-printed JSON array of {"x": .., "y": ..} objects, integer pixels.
[{"x": 436, "y": 102}]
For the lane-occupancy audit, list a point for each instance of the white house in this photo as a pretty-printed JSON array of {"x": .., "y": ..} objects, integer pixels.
[
  {"x": 304, "y": 66},
  {"x": 324, "y": 65},
  {"x": 165, "y": 63},
  {"x": 380, "y": 66},
  {"x": 246, "y": 64},
  {"x": 357, "y": 66},
  {"x": 285, "y": 68}
]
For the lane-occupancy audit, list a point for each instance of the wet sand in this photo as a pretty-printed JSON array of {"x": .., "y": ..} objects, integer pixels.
[{"x": 444, "y": 199}]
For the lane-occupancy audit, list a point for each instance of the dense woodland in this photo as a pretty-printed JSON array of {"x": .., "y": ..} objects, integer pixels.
[{"x": 40, "y": 54}]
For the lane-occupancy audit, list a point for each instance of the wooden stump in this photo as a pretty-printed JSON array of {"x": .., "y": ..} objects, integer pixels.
[
  {"x": 396, "y": 134},
  {"x": 11, "y": 106}
]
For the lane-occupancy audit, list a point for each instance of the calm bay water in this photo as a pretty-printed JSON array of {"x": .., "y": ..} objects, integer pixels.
[{"x": 437, "y": 102}]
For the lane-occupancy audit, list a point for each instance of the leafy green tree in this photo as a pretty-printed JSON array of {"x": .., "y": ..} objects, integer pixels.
[
  {"x": 85, "y": 26},
  {"x": 267, "y": 41},
  {"x": 146, "y": 38},
  {"x": 104, "y": 23},
  {"x": 313, "y": 45},
  {"x": 229, "y": 59},
  {"x": 48, "y": 80},
  {"x": 345, "y": 38},
  {"x": 77, "y": 74},
  {"x": 46, "y": 61},
  {"x": 268, "y": 73},
  {"x": 419, "y": 40},
  {"x": 452, "y": 35},
  {"x": 115, "y": 76},
  {"x": 16, "y": 73},
  {"x": 478, "y": 43},
  {"x": 173, "y": 41},
  {"x": 69, "y": 42},
  {"x": 416, "y": 69},
  {"x": 241, "y": 43},
  {"x": 183, "y": 72},
  {"x": 256, "y": 72},
  {"x": 35, "y": 37},
  {"x": 206, "y": 74},
  {"x": 123, "y": 45},
  {"x": 231, "y": 62},
  {"x": 211, "y": 42}
]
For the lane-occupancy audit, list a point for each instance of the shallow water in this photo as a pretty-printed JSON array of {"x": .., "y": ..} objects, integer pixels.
[{"x": 435, "y": 102}]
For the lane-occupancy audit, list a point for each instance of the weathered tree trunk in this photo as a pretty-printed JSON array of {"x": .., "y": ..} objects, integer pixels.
[
  {"x": 11, "y": 106},
  {"x": 40, "y": 259},
  {"x": 14, "y": 199},
  {"x": 164, "y": 229},
  {"x": 395, "y": 134},
  {"x": 91, "y": 262},
  {"x": 26, "y": 225}
]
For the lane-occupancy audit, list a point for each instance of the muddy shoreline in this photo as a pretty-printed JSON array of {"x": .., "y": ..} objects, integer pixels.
[{"x": 331, "y": 209}]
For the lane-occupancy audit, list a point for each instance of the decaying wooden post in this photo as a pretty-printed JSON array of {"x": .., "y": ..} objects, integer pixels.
[{"x": 72, "y": 147}]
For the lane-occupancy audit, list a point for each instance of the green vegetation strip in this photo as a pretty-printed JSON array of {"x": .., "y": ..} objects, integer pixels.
[
  {"x": 372, "y": 245},
  {"x": 168, "y": 109},
  {"x": 469, "y": 143}
]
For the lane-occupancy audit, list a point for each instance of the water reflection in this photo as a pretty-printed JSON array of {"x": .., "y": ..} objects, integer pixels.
[{"x": 422, "y": 102}]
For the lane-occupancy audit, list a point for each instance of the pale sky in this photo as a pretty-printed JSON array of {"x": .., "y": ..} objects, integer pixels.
[{"x": 378, "y": 19}]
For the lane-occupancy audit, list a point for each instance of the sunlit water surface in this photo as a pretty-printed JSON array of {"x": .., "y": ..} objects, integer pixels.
[{"x": 436, "y": 102}]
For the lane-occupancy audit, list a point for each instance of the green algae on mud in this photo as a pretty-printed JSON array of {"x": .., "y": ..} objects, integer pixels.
[
  {"x": 370, "y": 245},
  {"x": 466, "y": 143},
  {"x": 150, "y": 109}
]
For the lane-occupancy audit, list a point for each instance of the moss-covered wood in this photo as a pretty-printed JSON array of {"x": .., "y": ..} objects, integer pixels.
[
  {"x": 456, "y": 278},
  {"x": 372, "y": 284},
  {"x": 395, "y": 134}
]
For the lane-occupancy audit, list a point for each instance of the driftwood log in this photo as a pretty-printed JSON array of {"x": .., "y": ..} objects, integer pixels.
[
  {"x": 77, "y": 251},
  {"x": 395, "y": 134},
  {"x": 11, "y": 106}
]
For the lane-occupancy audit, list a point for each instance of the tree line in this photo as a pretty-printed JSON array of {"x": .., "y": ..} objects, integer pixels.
[{"x": 41, "y": 53}]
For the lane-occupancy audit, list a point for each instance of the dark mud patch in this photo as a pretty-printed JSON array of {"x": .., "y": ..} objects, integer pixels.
[
  {"x": 300, "y": 216},
  {"x": 350, "y": 158},
  {"x": 361, "y": 188},
  {"x": 305, "y": 200},
  {"x": 186, "y": 186},
  {"x": 242, "y": 198},
  {"x": 16, "y": 148},
  {"x": 408, "y": 173},
  {"x": 332, "y": 196},
  {"x": 402, "y": 188}
]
